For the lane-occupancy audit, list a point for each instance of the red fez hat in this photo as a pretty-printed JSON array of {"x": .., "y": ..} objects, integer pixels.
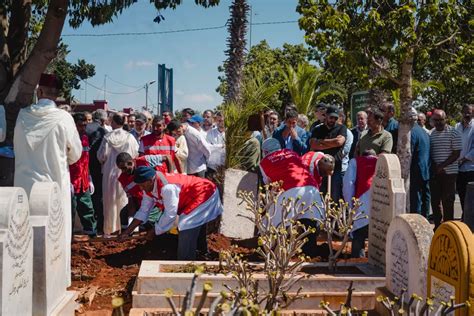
[{"x": 49, "y": 80}]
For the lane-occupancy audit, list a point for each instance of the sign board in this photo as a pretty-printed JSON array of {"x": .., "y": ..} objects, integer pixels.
[
  {"x": 165, "y": 89},
  {"x": 359, "y": 102}
]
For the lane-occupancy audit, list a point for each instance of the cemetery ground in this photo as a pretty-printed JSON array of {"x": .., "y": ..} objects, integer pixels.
[{"x": 102, "y": 270}]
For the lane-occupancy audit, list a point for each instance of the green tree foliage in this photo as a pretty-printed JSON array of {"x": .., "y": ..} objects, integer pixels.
[
  {"x": 266, "y": 64},
  {"x": 422, "y": 40},
  {"x": 70, "y": 74},
  {"x": 306, "y": 87}
]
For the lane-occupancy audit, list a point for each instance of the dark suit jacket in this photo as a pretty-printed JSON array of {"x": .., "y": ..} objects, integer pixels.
[{"x": 300, "y": 144}]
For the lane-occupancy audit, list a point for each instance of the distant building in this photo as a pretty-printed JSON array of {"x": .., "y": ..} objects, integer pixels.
[{"x": 90, "y": 107}]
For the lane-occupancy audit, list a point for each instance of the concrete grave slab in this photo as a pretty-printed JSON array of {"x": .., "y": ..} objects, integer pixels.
[
  {"x": 16, "y": 253},
  {"x": 236, "y": 220},
  {"x": 50, "y": 295},
  {"x": 388, "y": 200}
]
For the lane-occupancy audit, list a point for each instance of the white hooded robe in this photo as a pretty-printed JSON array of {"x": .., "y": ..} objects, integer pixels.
[
  {"x": 46, "y": 142},
  {"x": 114, "y": 197}
]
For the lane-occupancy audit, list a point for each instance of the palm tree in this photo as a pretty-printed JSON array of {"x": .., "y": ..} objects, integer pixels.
[
  {"x": 237, "y": 27},
  {"x": 306, "y": 88}
]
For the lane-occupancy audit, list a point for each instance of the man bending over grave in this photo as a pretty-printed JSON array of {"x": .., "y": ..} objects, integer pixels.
[
  {"x": 286, "y": 166},
  {"x": 320, "y": 165},
  {"x": 128, "y": 165},
  {"x": 356, "y": 184},
  {"x": 194, "y": 201}
]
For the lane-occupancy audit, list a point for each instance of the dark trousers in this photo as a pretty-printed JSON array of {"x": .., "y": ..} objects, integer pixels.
[
  {"x": 419, "y": 195},
  {"x": 464, "y": 177},
  {"x": 97, "y": 200},
  {"x": 358, "y": 242},
  {"x": 310, "y": 247},
  {"x": 82, "y": 204},
  {"x": 189, "y": 240},
  {"x": 443, "y": 190},
  {"x": 336, "y": 185}
]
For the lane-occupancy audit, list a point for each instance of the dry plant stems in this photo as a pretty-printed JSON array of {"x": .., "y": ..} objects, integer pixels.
[
  {"x": 414, "y": 307},
  {"x": 344, "y": 308},
  {"x": 337, "y": 219},
  {"x": 279, "y": 244}
]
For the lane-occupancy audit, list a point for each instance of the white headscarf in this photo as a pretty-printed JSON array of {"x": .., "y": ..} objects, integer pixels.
[{"x": 270, "y": 145}]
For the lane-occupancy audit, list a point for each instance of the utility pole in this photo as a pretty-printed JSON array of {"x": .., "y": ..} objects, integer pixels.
[
  {"x": 250, "y": 29},
  {"x": 105, "y": 87},
  {"x": 146, "y": 93}
]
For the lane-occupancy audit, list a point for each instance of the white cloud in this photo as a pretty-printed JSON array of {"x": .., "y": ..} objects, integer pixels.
[
  {"x": 139, "y": 64},
  {"x": 187, "y": 64},
  {"x": 198, "y": 98},
  {"x": 178, "y": 92}
]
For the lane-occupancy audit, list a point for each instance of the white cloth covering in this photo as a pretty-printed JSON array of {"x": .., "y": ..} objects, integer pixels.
[
  {"x": 198, "y": 150},
  {"x": 307, "y": 194},
  {"x": 216, "y": 140},
  {"x": 348, "y": 191},
  {"x": 202, "y": 214},
  {"x": 182, "y": 153},
  {"x": 114, "y": 197},
  {"x": 46, "y": 142}
]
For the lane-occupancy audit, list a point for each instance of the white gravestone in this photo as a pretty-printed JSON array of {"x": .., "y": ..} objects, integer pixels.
[
  {"x": 236, "y": 220},
  {"x": 50, "y": 276},
  {"x": 388, "y": 201},
  {"x": 408, "y": 246},
  {"x": 16, "y": 253}
]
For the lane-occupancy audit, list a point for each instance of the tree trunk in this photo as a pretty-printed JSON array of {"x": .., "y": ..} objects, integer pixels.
[
  {"x": 236, "y": 50},
  {"x": 404, "y": 134}
]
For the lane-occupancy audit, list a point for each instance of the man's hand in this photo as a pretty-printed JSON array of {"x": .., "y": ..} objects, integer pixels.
[
  {"x": 293, "y": 133},
  {"x": 123, "y": 235},
  {"x": 439, "y": 169}
]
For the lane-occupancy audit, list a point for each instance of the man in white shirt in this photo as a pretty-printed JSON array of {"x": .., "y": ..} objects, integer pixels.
[
  {"x": 216, "y": 139},
  {"x": 193, "y": 200},
  {"x": 198, "y": 151}
]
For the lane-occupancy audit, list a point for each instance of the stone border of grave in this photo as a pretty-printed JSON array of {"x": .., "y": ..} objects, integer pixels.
[{"x": 151, "y": 284}]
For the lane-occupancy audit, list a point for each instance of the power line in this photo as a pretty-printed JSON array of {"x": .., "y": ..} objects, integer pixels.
[
  {"x": 120, "y": 83},
  {"x": 170, "y": 31},
  {"x": 111, "y": 92}
]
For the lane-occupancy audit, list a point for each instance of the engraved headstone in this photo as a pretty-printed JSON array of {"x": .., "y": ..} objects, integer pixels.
[
  {"x": 388, "y": 201},
  {"x": 16, "y": 253},
  {"x": 408, "y": 244},
  {"x": 50, "y": 276},
  {"x": 451, "y": 265},
  {"x": 236, "y": 220}
]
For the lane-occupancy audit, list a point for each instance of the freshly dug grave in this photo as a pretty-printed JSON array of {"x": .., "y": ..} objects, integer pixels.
[{"x": 102, "y": 270}]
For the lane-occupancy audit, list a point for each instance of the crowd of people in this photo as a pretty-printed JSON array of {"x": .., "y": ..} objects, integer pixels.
[
  {"x": 289, "y": 149},
  {"x": 121, "y": 172}
]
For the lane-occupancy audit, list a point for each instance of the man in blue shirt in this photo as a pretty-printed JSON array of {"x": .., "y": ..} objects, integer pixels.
[
  {"x": 389, "y": 123},
  {"x": 419, "y": 169},
  {"x": 290, "y": 135}
]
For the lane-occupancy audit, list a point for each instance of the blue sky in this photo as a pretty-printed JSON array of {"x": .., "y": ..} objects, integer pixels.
[{"x": 194, "y": 56}]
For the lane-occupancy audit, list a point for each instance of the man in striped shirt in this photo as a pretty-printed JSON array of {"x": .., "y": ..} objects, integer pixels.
[{"x": 445, "y": 147}]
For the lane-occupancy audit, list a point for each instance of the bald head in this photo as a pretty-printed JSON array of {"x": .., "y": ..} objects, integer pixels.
[
  {"x": 326, "y": 165},
  {"x": 439, "y": 119}
]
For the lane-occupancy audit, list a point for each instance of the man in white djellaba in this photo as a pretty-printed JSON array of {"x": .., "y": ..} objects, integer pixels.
[
  {"x": 114, "y": 197},
  {"x": 46, "y": 143}
]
